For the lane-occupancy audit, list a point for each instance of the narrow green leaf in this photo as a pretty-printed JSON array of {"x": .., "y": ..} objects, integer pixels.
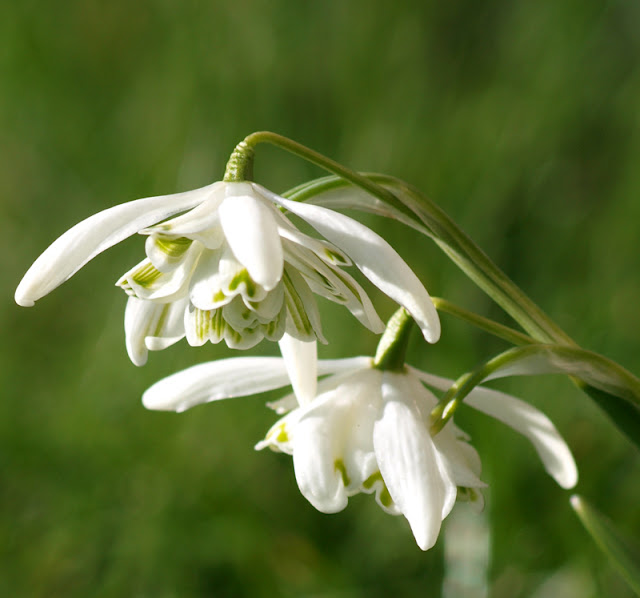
[{"x": 624, "y": 554}]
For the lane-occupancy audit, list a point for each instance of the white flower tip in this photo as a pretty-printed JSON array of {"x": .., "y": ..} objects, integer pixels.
[
  {"x": 431, "y": 331},
  {"x": 158, "y": 401},
  {"x": 568, "y": 477},
  {"x": 139, "y": 361},
  {"x": 425, "y": 542},
  {"x": 23, "y": 300},
  {"x": 27, "y": 292},
  {"x": 426, "y": 316}
]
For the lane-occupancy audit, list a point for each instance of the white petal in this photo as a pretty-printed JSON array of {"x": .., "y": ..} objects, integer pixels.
[
  {"x": 169, "y": 327},
  {"x": 202, "y": 220},
  {"x": 340, "y": 368},
  {"x": 279, "y": 438},
  {"x": 136, "y": 319},
  {"x": 461, "y": 459},
  {"x": 436, "y": 382},
  {"x": 334, "y": 284},
  {"x": 301, "y": 360},
  {"x": 67, "y": 254},
  {"x": 533, "y": 424},
  {"x": 202, "y": 325},
  {"x": 303, "y": 317},
  {"x": 524, "y": 418},
  {"x": 317, "y": 449},
  {"x": 252, "y": 234},
  {"x": 215, "y": 380},
  {"x": 408, "y": 464},
  {"x": 448, "y": 480},
  {"x": 165, "y": 252},
  {"x": 151, "y": 326},
  {"x": 324, "y": 250},
  {"x": 378, "y": 261},
  {"x": 146, "y": 282}
]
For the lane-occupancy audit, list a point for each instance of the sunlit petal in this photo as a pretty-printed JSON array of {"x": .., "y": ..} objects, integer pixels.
[
  {"x": 535, "y": 425},
  {"x": 301, "y": 360},
  {"x": 317, "y": 456},
  {"x": 407, "y": 459},
  {"x": 215, "y": 380},
  {"x": 526, "y": 419},
  {"x": 251, "y": 231},
  {"x": 67, "y": 254},
  {"x": 378, "y": 261}
]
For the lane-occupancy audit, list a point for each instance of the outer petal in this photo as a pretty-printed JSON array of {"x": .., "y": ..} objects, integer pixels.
[
  {"x": 533, "y": 424},
  {"x": 524, "y": 418},
  {"x": 67, "y": 254},
  {"x": 408, "y": 464},
  {"x": 378, "y": 261},
  {"x": 301, "y": 359},
  {"x": 215, "y": 380},
  {"x": 317, "y": 454},
  {"x": 334, "y": 284},
  {"x": 252, "y": 234}
]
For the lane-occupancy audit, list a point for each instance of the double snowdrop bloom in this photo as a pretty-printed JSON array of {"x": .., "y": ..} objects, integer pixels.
[
  {"x": 366, "y": 430},
  {"x": 225, "y": 263}
]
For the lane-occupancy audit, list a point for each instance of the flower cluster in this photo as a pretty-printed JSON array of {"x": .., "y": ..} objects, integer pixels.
[
  {"x": 367, "y": 430},
  {"x": 226, "y": 263},
  {"x": 233, "y": 267}
]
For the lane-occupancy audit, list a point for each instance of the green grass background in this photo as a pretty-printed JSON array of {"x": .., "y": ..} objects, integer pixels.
[{"x": 521, "y": 119}]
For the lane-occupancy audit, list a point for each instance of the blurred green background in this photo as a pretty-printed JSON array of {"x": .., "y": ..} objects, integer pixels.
[{"x": 520, "y": 118}]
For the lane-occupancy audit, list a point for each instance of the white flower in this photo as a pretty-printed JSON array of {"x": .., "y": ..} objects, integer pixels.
[
  {"x": 232, "y": 267},
  {"x": 367, "y": 430}
]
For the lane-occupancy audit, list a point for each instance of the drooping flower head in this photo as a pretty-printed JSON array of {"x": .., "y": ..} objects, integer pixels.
[
  {"x": 367, "y": 430},
  {"x": 231, "y": 266}
]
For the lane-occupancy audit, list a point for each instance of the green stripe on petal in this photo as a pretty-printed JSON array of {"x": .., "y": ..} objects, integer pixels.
[
  {"x": 340, "y": 467},
  {"x": 301, "y": 307},
  {"x": 146, "y": 275},
  {"x": 165, "y": 252},
  {"x": 274, "y": 330}
]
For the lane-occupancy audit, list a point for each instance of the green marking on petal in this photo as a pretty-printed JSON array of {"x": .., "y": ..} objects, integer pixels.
[
  {"x": 383, "y": 493},
  {"x": 217, "y": 326},
  {"x": 295, "y": 307},
  {"x": 385, "y": 498},
  {"x": 468, "y": 494},
  {"x": 219, "y": 296},
  {"x": 161, "y": 321},
  {"x": 146, "y": 276},
  {"x": 203, "y": 323},
  {"x": 338, "y": 465},
  {"x": 371, "y": 480},
  {"x": 347, "y": 283},
  {"x": 243, "y": 277},
  {"x": 334, "y": 257},
  {"x": 282, "y": 435},
  {"x": 172, "y": 247}
]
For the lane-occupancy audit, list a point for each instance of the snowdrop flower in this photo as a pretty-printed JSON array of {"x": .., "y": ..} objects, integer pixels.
[
  {"x": 367, "y": 430},
  {"x": 224, "y": 263}
]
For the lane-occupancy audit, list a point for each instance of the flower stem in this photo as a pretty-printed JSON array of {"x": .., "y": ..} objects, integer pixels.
[
  {"x": 506, "y": 333},
  {"x": 240, "y": 165},
  {"x": 392, "y": 348},
  {"x": 318, "y": 159}
]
